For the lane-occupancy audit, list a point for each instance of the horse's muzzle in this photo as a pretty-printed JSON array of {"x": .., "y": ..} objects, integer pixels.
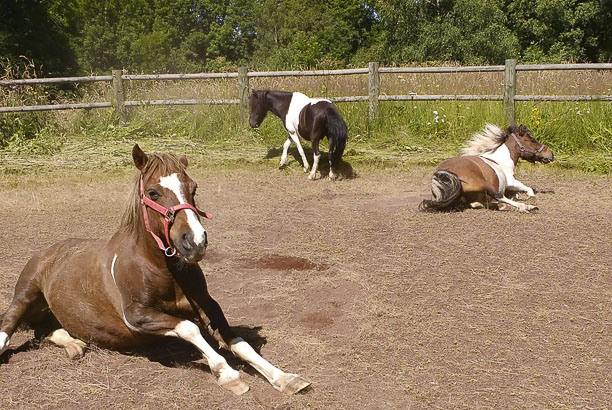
[
  {"x": 192, "y": 252},
  {"x": 546, "y": 158}
]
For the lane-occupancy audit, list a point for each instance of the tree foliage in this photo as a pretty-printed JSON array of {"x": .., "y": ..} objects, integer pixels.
[{"x": 68, "y": 36}]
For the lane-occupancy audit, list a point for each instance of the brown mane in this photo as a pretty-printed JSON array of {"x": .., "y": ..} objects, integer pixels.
[{"x": 163, "y": 164}]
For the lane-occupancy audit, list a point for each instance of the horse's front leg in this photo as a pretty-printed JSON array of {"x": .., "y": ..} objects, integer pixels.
[
  {"x": 518, "y": 205},
  {"x": 520, "y": 187},
  {"x": 151, "y": 321},
  {"x": 283, "y": 160},
  {"x": 317, "y": 156},
  {"x": 218, "y": 327}
]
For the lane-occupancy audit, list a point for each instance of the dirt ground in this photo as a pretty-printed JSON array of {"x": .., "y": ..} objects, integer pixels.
[{"x": 345, "y": 283}]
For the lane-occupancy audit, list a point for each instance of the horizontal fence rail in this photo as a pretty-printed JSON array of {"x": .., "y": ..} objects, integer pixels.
[{"x": 120, "y": 103}]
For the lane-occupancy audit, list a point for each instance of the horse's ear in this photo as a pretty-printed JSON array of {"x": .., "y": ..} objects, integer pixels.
[
  {"x": 139, "y": 157},
  {"x": 183, "y": 160},
  {"x": 253, "y": 92},
  {"x": 522, "y": 129}
]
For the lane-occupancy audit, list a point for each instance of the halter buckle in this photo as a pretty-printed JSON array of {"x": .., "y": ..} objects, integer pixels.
[
  {"x": 170, "y": 252},
  {"x": 170, "y": 214}
]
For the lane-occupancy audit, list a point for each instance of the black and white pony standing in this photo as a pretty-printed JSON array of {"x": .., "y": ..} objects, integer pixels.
[{"x": 309, "y": 118}]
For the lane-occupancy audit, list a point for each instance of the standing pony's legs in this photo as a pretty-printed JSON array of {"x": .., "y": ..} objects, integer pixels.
[
  {"x": 296, "y": 139},
  {"x": 283, "y": 160},
  {"x": 331, "y": 175},
  {"x": 317, "y": 156}
]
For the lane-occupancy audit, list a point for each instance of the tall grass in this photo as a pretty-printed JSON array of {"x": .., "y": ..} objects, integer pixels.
[{"x": 403, "y": 133}]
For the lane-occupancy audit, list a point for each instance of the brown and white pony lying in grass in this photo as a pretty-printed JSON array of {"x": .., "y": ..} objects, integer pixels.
[
  {"x": 139, "y": 285},
  {"x": 485, "y": 171}
]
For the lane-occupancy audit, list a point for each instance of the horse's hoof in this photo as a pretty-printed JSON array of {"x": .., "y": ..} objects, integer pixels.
[
  {"x": 312, "y": 176},
  {"x": 236, "y": 386},
  {"x": 74, "y": 351},
  {"x": 292, "y": 383}
]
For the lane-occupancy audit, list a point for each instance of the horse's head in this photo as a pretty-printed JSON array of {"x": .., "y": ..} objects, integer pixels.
[
  {"x": 165, "y": 190},
  {"x": 258, "y": 107},
  {"x": 530, "y": 149}
]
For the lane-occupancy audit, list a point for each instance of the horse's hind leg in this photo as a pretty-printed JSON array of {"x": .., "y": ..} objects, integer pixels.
[
  {"x": 315, "y": 161},
  {"x": 331, "y": 175},
  {"x": 28, "y": 304},
  {"x": 296, "y": 139},
  {"x": 288, "y": 383},
  {"x": 75, "y": 348}
]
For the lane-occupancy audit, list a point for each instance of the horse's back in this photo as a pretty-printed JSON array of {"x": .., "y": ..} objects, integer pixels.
[
  {"x": 475, "y": 175},
  {"x": 299, "y": 102}
]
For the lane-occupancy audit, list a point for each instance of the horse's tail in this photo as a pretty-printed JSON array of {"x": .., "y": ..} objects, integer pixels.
[
  {"x": 445, "y": 189},
  {"x": 337, "y": 134}
]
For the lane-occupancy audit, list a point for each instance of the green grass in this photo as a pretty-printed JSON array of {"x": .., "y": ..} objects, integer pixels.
[{"x": 404, "y": 134}]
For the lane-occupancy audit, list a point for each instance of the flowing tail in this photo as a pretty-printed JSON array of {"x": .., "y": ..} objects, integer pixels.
[
  {"x": 445, "y": 189},
  {"x": 337, "y": 133}
]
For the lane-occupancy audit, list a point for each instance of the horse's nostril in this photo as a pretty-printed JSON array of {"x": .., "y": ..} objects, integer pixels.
[{"x": 186, "y": 239}]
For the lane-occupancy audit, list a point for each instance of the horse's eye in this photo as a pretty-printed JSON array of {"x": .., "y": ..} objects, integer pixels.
[{"x": 154, "y": 195}]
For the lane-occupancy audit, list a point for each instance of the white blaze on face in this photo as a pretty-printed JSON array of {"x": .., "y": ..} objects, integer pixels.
[{"x": 173, "y": 183}]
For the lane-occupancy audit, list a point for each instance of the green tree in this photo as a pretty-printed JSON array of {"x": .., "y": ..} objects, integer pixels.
[
  {"x": 562, "y": 30},
  {"x": 310, "y": 33},
  {"x": 38, "y": 31}
]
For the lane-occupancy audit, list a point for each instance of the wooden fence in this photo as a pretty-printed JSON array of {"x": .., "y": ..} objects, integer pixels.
[{"x": 121, "y": 104}]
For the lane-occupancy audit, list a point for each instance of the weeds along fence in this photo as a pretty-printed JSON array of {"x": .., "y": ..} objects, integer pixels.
[{"x": 121, "y": 103}]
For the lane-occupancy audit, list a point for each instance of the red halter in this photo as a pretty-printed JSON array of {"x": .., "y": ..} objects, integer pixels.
[
  {"x": 527, "y": 150},
  {"x": 169, "y": 214}
]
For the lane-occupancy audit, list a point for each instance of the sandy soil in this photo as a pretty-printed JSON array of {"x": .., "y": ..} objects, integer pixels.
[{"x": 345, "y": 283}]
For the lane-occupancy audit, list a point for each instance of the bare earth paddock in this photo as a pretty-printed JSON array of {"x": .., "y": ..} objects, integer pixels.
[{"x": 345, "y": 283}]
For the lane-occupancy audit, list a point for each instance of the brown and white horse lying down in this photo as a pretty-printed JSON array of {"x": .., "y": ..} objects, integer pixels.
[
  {"x": 139, "y": 285},
  {"x": 485, "y": 171}
]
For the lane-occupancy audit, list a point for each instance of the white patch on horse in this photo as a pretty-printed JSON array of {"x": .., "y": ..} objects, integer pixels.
[
  {"x": 286, "y": 382},
  {"x": 297, "y": 104},
  {"x": 4, "y": 341},
  {"x": 227, "y": 377},
  {"x": 173, "y": 183},
  {"x": 113, "y": 269},
  {"x": 502, "y": 156},
  {"x": 127, "y": 323},
  {"x": 315, "y": 165}
]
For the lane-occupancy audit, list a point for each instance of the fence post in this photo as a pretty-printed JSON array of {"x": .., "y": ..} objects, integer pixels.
[
  {"x": 373, "y": 89},
  {"x": 243, "y": 93},
  {"x": 119, "y": 96},
  {"x": 510, "y": 90}
]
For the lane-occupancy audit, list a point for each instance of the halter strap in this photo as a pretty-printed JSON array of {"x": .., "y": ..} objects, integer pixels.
[
  {"x": 529, "y": 150},
  {"x": 169, "y": 214}
]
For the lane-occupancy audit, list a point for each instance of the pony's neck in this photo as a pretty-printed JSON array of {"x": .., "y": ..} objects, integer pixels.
[
  {"x": 278, "y": 102},
  {"x": 513, "y": 149}
]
